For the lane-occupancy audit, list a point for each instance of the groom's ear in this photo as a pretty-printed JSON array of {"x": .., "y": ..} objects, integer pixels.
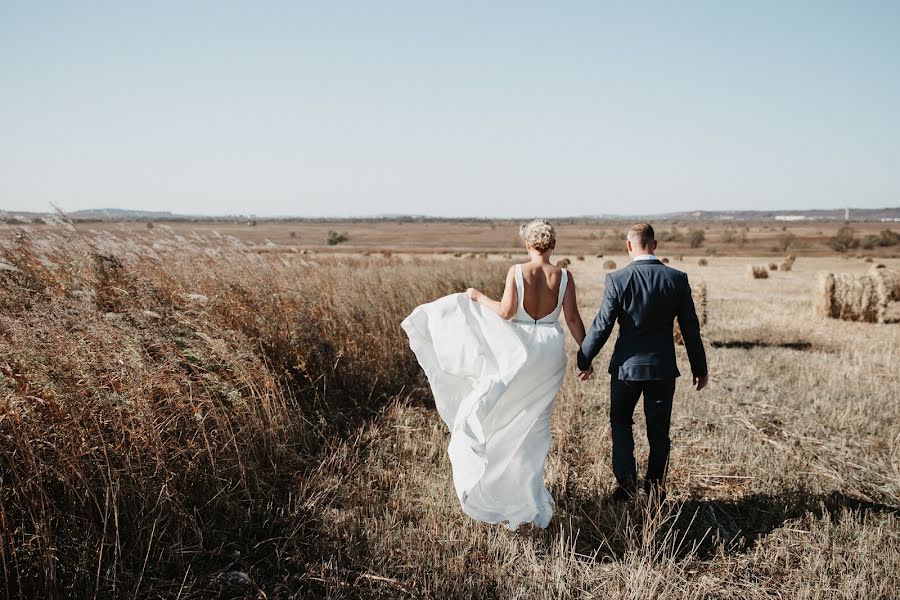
[{"x": 653, "y": 245}]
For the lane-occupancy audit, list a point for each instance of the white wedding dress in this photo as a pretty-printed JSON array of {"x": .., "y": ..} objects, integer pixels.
[{"x": 494, "y": 382}]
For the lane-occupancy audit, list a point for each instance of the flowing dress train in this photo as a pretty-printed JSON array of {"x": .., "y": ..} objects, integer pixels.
[{"x": 494, "y": 382}]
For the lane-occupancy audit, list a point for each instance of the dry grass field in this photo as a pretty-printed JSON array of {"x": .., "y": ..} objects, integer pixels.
[
  {"x": 587, "y": 237},
  {"x": 186, "y": 415}
]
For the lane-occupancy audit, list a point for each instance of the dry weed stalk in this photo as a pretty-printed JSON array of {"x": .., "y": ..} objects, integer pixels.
[{"x": 758, "y": 272}]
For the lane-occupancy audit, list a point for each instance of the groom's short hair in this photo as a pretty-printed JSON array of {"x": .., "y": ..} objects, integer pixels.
[{"x": 641, "y": 234}]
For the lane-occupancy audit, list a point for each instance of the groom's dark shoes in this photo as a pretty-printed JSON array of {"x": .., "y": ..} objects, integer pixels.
[{"x": 623, "y": 494}]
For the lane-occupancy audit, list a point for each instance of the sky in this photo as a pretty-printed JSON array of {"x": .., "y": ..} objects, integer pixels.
[{"x": 457, "y": 109}]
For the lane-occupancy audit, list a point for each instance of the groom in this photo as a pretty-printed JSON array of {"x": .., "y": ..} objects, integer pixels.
[{"x": 645, "y": 298}]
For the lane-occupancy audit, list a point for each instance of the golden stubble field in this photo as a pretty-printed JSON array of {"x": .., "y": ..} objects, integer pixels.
[
  {"x": 191, "y": 417},
  {"x": 785, "y": 477}
]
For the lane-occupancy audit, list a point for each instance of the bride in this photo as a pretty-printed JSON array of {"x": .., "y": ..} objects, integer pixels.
[{"x": 494, "y": 368}]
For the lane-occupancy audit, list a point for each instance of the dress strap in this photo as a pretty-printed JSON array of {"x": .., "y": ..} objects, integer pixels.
[
  {"x": 520, "y": 285},
  {"x": 563, "y": 282}
]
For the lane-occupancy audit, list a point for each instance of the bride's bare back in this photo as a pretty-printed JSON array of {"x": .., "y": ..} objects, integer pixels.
[{"x": 541, "y": 283}]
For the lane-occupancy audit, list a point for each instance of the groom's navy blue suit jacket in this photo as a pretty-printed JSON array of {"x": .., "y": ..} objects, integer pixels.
[{"x": 645, "y": 298}]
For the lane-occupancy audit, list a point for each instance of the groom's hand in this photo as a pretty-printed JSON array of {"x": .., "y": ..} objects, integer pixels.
[
  {"x": 585, "y": 375},
  {"x": 701, "y": 382}
]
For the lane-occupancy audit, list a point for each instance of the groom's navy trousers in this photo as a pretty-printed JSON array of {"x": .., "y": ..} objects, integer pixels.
[
  {"x": 644, "y": 298},
  {"x": 624, "y": 396}
]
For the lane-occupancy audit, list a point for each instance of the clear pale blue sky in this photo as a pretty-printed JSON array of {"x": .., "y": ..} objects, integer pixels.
[{"x": 449, "y": 108}]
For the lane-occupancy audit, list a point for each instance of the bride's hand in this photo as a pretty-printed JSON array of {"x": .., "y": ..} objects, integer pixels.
[
  {"x": 585, "y": 375},
  {"x": 473, "y": 294}
]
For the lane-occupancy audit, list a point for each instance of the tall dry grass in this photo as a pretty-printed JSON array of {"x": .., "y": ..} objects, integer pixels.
[{"x": 167, "y": 403}]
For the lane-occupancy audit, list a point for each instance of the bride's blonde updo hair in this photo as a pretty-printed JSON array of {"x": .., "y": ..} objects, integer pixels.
[{"x": 539, "y": 234}]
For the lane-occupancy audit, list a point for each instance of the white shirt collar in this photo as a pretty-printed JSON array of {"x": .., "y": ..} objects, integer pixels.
[{"x": 644, "y": 257}]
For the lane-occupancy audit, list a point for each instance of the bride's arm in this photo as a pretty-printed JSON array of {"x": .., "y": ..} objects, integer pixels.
[
  {"x": 573, "y": 317},
  {"x": 506, "y": 307}
]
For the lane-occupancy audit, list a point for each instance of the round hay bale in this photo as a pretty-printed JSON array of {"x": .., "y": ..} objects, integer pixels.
[
  {"x": 888, "y": 283},
  {"x": 579, "y": 257},
  {"x": 599, "y": 256},
  {"x": 702, "y": 262},
  {"x": 679, "y": 258},
  {"x": 664, "y": 260},
  {"x": 850, "y": 298},
  {"x": 562, "y": 264},
  {"x": 609, "y": 265},
  {"x": 773, "y": 266},
  {"x": 698, "y": 294},
  {"x": 758, "y": 272},
  {"x": 868, "y": 259},
  {"x": 824, "y": 303}
]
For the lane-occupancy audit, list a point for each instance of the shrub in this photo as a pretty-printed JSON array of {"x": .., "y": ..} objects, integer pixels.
[
  {"x": 785, "y": 241},
  {"x": 334, "y": 238},
  {"x": 730, "y": 236},
  {"x": 889, "y": 238},
  {"x": 670, "y": 236},
  {"x": 870, "y": 241},
  {"x": 695, "y": 238},
  {"x": 844, "y": 240}
]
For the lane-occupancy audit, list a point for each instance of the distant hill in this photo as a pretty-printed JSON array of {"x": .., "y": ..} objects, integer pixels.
[
  {"x": 123, "y": 214},
  {"x": 855, "y": 214},
  {"x": 120, "y": 214}
]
